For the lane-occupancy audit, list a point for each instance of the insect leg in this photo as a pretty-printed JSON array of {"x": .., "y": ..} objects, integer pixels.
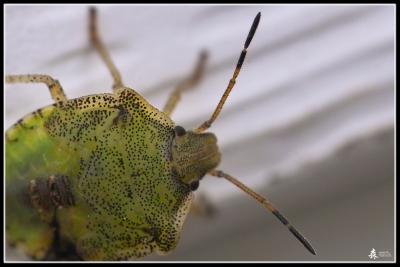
[
  {"x": 100, "y": 48},
  {"x": 186, "y": 84},
  {"x": 56, "y": 91}
]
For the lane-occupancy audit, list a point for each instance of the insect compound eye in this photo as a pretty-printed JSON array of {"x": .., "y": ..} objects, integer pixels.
[
  {"x": 179, "y": 131},
  {"x": 194, "y": 185}
]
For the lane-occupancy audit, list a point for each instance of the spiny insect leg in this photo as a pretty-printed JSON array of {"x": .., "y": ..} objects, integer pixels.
[
  {"x": 186, "y": 84},
  {"x": 100, "y": 48},
  {"x": 56, "y": 91},
  {"x": 232, "y": 81}
]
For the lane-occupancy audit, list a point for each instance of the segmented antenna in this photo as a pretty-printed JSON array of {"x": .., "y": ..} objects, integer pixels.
[
  {"x": 263, "y": 201},
  {"x": 232, "y": 81}
]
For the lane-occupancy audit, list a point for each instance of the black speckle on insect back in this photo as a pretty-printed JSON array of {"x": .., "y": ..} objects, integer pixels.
[{"x": 39, "y": 112}]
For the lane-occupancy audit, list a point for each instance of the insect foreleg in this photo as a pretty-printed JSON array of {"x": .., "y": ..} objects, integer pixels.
[
  {"x": 56, "y": 91},
  {"x": 186, "y": 84}
]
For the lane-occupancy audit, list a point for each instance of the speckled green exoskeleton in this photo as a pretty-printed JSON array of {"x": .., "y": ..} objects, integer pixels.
[{"x": 108, "y": 176}]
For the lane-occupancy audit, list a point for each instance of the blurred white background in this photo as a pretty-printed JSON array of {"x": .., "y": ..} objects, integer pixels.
[{"x": 309, "y": 124}]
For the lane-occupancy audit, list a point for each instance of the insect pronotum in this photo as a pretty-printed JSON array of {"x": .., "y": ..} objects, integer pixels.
[{"x": 108, "y": 176}]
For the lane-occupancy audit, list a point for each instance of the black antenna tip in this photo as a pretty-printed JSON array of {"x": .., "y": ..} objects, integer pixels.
[
  {"x": 300, "y": 237},
  {"x": 252, "y": 30}
]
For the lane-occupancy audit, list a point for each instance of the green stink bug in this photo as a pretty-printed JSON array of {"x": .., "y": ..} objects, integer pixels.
[{"x": 108, "y": 176}]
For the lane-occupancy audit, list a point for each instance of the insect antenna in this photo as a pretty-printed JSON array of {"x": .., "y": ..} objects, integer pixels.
[
  {"x": 232, "y": 81},
  {"x": 263, "y": 201}
]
